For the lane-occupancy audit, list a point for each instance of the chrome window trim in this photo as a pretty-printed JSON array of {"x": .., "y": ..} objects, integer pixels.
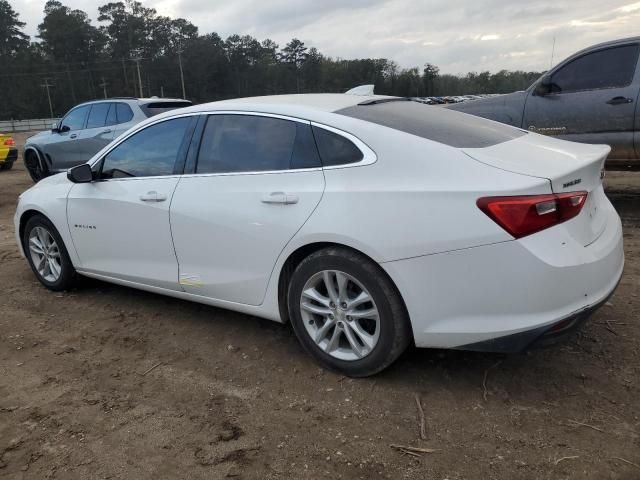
[{"x": 368, "y": 155}]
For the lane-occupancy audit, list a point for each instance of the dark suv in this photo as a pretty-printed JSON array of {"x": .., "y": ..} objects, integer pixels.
[{"x": 86, "y": 129}]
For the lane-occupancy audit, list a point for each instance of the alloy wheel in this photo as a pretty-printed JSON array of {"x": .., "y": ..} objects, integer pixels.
[
  {"x": 45, "y": 254},
  {"x": 340, "y": 315}
]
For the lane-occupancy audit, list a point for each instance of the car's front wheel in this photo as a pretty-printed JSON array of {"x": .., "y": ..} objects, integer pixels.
[
  {"x": 347, "y": 313},
  {"x": 47, "y": 255},
  {"x": 37, "y": 170}
]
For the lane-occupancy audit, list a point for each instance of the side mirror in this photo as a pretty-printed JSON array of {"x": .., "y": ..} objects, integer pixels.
[
  {"x": 80, "y": 174},
  {"x": 544, "y": 86},
  {"x": 63, "y": 128}
]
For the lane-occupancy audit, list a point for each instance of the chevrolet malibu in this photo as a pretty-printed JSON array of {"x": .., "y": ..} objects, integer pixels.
[{"x": 368, "y": 222}]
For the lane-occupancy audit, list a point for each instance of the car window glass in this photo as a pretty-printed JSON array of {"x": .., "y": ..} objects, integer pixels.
[
  {"x": 150, "y": 152},
  {"x": 75, "y": 119},
  {"x": 613, "y": 67},
  {"x": 305, "y": 153},
  {"x": 124, "y": 112},
  {"x": 335, "y": 149},
  {"x": 437, "y": 124},
  {"x": 248, "y": 143},
  {"x": 97, "y": 115},
  {"x": 112, "y": 118}
]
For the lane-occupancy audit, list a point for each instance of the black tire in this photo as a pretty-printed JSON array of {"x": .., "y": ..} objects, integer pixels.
[
  {"x": 6, "y": 166},
  {"x": 394, "y": 325},
  {"x": 68, "y": 274},
  {"x": 37, "y": 169}
]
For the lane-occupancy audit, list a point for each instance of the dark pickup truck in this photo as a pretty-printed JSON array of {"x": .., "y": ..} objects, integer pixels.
[{"x": 590, "y": 97}]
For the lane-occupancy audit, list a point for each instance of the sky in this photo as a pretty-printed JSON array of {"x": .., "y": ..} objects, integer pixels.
[{"x": 458, "y": 36}]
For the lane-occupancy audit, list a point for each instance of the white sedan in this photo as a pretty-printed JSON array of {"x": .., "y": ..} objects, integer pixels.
[{"x": 368, "y": 222}]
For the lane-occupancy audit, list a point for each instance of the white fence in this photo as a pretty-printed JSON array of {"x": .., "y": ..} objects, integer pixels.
[{"x": 26, "y": 125}]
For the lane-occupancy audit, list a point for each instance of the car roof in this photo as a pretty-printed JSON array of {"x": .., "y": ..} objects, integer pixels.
[
  {"x": 134, "y": 100},
  {"x": 303, "y": 102},
  {"x": 324, "y": 102},
  {"x": 610, "y": 43}
]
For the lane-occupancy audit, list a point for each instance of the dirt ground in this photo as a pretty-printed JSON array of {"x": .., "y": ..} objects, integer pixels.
[{"x": 109, "y": 382}]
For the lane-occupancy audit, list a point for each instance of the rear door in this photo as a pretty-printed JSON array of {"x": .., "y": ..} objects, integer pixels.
[
  {"x": 124, "y": 118},
  {"x": 593, "y": 100},
  {"x": 257, "y": 180}
]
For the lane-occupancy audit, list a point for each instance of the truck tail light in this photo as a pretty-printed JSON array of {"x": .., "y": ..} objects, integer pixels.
[
  {"x": 523, "y": 215},
  {"x": 10, "y": 142}
]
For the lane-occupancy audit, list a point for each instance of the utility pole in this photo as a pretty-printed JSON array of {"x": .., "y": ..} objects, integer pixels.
[
  {"x": 137, "y": 60},
  {"x": 126, "y": 79},
  {"x": 184, "y": 95},
  {"x": 161, "y": 91},
  {"x": 553, "y": 50},
  {"x": 46, "y": 85},
  {"x": 104, "y": 87}
]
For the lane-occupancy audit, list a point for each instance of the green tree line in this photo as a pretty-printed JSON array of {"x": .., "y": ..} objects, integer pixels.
[{"x": 134, "y": 51}]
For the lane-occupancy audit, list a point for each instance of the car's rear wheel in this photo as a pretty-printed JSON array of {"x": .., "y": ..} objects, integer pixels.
[
  {"x": 36, "y": 168},
  {"x": 347, "y": 313},
  {"x": 6, "y": 166},
  {"x": 47, "y": 255}
]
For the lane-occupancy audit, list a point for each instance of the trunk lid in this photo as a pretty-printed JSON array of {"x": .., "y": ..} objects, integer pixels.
[{"x": 569, "y": 167}]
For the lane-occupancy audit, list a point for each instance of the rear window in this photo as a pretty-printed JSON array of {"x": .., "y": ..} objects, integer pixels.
[
  {"x": 124, "y": 113},
  {"x": 335, "y": 149},
  {"x": 434, "y": 123},
  {"x": 154, "y": 108}
]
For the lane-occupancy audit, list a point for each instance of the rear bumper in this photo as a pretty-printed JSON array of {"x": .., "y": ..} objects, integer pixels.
[
  {"x": 9, "y": 156},
  {"x": 539, "y": 336},
  {"x": 506, "y": 296}
]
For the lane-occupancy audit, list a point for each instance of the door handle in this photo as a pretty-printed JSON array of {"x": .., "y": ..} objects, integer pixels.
[
  {"x": 106, "y": 131},
  {"x": 619, "y": 100},
  {"x": 153, "y": 196},
  {"x": 73, "y": 135},
  {"x": 280, "y": 197}
]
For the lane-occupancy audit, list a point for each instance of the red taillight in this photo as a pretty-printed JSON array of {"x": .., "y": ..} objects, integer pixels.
[
  {"x": 9, "y": 142},
  {"x": 521, "y": 216}
]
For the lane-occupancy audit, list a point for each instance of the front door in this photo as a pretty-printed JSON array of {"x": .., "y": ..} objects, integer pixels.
[
  {"x": 62, "y": 146},
  {"x": 257, "y": 181},
  {"x": 120, "y": 222},
  {"x": 592, "y": 100}
]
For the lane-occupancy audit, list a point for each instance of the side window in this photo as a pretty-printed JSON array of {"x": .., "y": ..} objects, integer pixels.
[
  {"x": 75, "y": 119},
  {"x": 335, "y": 149},
  {"x": 152, "y": 151},
  {"x": 124, "y": 112},
  {"x": 98, "y": 115},
  {"x": 247, "y": 143},
  {"x": 613, "y": 67},
  {"x": 112, "y": 119}
]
